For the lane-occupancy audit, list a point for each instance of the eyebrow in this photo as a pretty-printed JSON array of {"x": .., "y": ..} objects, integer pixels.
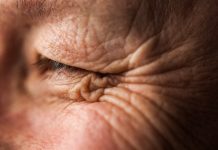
[{"x": 35, "y": 8}]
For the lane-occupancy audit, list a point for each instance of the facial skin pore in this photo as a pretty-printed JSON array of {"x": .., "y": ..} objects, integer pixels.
[{"x": 108, "y": 74}]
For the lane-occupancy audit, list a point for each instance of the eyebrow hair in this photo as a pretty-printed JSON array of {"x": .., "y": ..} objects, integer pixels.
[{"x": 35, "y": 8}]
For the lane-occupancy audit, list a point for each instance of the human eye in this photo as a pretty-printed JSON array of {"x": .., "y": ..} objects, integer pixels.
[
  {"x": 44, "y": 65},
  {"x": 72, "y": 83}
]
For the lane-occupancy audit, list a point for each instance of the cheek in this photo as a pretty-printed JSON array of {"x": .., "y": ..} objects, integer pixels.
[{"x": 65, "y": 127}]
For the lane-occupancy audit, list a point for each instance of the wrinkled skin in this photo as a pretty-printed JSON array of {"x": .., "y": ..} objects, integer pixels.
[{"x": 146, "y": 77}]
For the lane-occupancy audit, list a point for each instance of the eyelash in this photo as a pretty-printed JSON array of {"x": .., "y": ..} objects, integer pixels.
[{"x": 45, "y": 64}]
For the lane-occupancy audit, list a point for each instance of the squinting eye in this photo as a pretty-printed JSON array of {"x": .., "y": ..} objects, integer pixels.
[{"x": 45, "y": 64}]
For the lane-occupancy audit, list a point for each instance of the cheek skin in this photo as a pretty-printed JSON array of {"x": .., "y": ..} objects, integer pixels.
[
  {"x": 70, "y": 129},
  {"x": 76, "y": 126}
]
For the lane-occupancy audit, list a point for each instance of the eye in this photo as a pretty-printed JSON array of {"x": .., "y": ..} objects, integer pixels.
[{"x": 45, "y": 64}]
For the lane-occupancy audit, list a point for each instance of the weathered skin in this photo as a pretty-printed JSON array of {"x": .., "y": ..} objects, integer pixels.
[{"x": 147, "y": 77}]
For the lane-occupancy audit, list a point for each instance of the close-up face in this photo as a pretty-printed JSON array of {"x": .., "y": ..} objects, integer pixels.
[{"x": 108, "y": 74}]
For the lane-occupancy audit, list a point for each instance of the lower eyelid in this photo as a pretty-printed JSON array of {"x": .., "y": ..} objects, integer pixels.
[{"x": 66, "y": 74}]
